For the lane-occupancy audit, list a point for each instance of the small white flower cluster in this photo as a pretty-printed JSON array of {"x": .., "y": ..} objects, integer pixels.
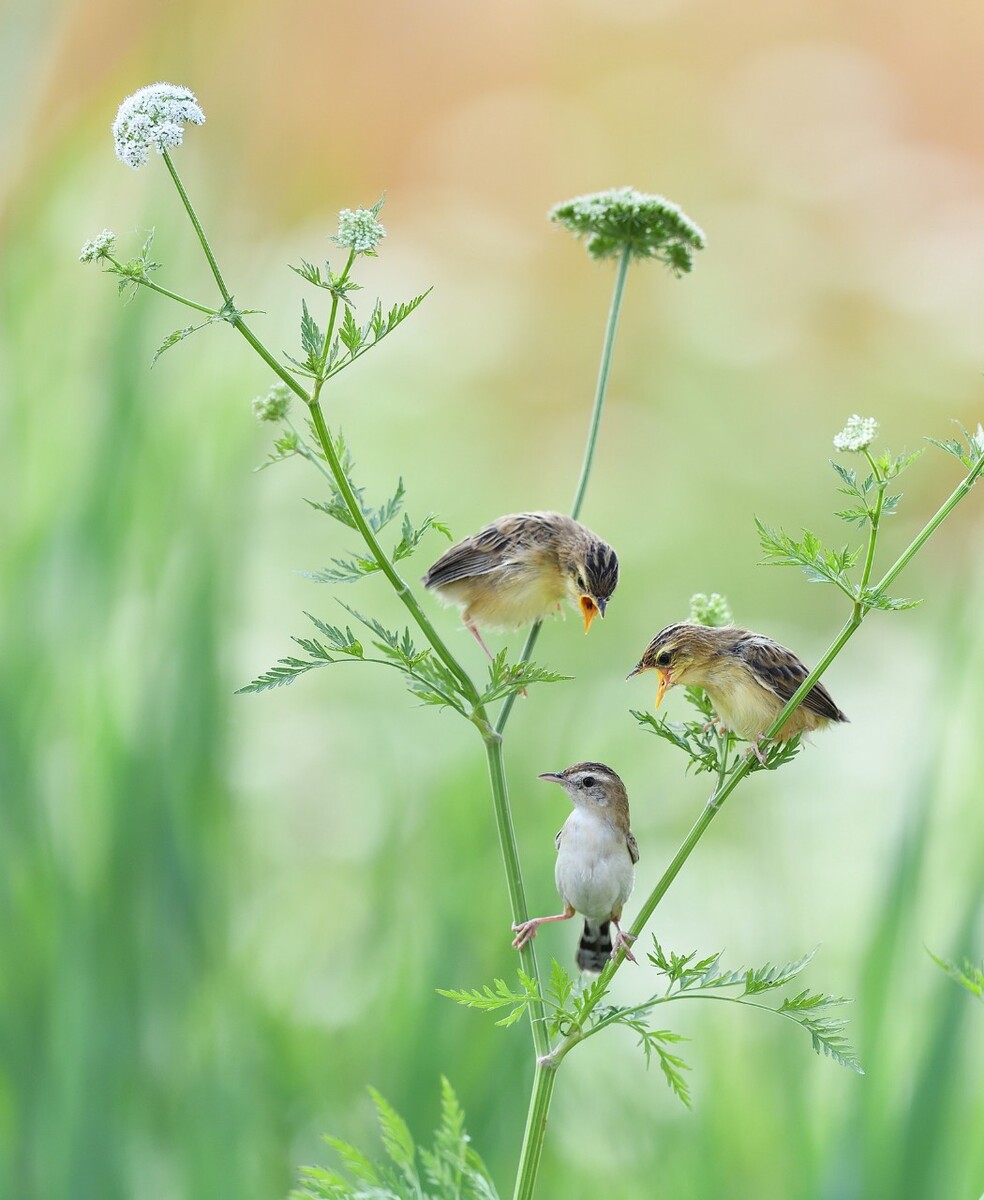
[
  {"x": 98, "y": 247},
  {"x": 359, "y": 230},
  {"x": 153, "y": 118},
  {"x": 274, "y": 405},
  {"x": 857, "y": 434},
  {"x": 712, "y": 610}
]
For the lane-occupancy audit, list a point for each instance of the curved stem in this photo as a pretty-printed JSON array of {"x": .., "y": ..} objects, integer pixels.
[{"x": 602, "y": 385}]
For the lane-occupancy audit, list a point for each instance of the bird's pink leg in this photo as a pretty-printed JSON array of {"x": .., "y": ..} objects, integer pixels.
[
  {"x": 623, "y": 941},
  {"x": 473, "y": 630},
  {"x": 526, "y": 931}
]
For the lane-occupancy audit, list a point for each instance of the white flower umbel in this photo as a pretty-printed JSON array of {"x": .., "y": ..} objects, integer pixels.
[
  {"x": 153, "y": 118},
  {"x": 274, "y": 405},
  {"x": 98, "y": 247},
  {"x": 857, "y": 434},
  {"x": 359, "y": 230}
]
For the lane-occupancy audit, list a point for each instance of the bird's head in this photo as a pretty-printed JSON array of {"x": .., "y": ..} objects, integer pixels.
[
  {"x": 679, "y": 654},
  {"x": 591, "y": 784},
  {"x": 591, "y": 571}
]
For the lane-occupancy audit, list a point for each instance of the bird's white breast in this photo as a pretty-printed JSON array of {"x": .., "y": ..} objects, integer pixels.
[{"x": 594, "y": 871}]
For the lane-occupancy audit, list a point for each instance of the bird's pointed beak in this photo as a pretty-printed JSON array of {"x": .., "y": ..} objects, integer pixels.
[
  {"x": 551, "y": 776},
  {"x": 637, "y": 670},
  {"x": 589, "y": 610}
]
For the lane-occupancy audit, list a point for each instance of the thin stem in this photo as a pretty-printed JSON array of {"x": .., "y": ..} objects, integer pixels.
[
  {"x": 510, "y": 700},
  {"x": 156, "y": 287},
  {"x": 193, "y": 217},
  {"x": 601, "y": 390},
  {"x": 536, "y": 1129},
  {"x": 602, "y": 385}
]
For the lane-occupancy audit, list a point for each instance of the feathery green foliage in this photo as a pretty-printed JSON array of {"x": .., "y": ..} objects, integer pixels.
[{"x": 448, "y": 1170}]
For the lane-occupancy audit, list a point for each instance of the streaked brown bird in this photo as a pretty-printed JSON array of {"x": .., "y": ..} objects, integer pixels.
[
  {"x": 596, "y": 857},
  {"x": 518, "y": 569},
  {"x": 748, "y": 678}
]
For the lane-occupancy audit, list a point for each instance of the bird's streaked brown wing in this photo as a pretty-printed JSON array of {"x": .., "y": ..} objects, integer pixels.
[
  {"x": 633, "y": 846},
  {"x": 779, "y": 670},
  {"x": 476, "y": 555}
]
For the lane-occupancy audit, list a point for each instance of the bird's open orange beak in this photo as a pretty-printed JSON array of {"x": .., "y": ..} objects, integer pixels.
[
  {"x": 590, "y": 609},
  {"x": 664, "y": 683}
]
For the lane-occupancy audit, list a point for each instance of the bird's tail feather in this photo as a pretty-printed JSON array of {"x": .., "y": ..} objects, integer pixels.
[{"x": 595, "y": 948}]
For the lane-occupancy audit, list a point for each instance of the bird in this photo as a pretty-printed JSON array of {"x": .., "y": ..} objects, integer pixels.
[
  {"x": 747, "y": 676},
  {"x": 595, "y": 870},
  {"x": 518, "y": 569}
]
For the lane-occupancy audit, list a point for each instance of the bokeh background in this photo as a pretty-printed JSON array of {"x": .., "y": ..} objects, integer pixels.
[{"x": 222, "y": 917}]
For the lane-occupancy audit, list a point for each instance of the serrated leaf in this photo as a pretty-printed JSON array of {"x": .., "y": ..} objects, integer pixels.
[
  {"x": 397, "y": 1140},
  {"x": 312, "y": 339}
]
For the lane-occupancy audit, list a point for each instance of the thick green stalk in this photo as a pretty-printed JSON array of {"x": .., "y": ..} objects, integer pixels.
[
  {"x": 514, "y": 882},
  {"x": 536, "y": 1130}
]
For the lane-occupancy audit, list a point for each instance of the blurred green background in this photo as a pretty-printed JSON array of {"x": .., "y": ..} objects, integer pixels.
[{"x": 222, "y": 917}]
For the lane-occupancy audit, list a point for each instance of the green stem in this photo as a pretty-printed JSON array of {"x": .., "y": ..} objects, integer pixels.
[
  {"x": 536, "y": 1129},
  {"x": 875, "y": 518},
  {"x": 507, "y": 704},
  {"x": 514, "y": 883},
  {"x": 602, "y": 385}
]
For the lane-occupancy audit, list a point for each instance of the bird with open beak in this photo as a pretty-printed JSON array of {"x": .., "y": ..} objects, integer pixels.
[
  {"x": 520, "y": 568},
  {"x": 749, "y": 678}
]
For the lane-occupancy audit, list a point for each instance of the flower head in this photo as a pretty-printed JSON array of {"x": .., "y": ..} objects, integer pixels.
[
  {"x": 98, "y": 247},
  {"x": 274, "y": 405},
  {"x": 857, "y": 434},
  {"x": 710, "y": 610},
  {"x": 153, "y": 118},
  {"x": 359, "y": 230},
  {"x": 646, "y": 225}
]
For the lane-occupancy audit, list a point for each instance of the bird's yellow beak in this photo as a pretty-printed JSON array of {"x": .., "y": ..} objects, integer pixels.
[
  {"x": 664, "y": 683},
  {"x": 589, "y": 610}
]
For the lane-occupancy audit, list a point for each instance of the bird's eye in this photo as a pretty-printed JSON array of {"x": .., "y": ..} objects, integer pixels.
[
  {"x": 579, "y": 580},
  {"x": 588, "y": 781},
  {"x": 663, "y": 659}
]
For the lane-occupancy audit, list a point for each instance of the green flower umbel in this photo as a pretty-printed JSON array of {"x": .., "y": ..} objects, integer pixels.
[{"x": 622, "y": 219}]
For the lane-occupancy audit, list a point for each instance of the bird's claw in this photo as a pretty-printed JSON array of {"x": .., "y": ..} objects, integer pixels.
[
  {"x": 525, "y": 932},
  {"x": 623, "y": 942}
]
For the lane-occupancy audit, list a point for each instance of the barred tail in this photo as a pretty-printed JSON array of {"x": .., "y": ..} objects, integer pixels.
[{"x": 595, "y": 948}]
